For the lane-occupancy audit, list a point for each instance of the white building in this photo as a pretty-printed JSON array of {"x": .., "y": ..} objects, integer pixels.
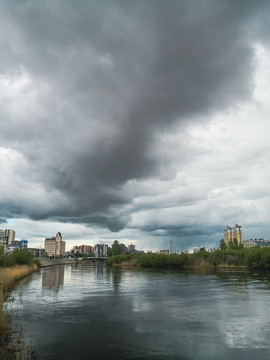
[
  {"x": 7, "y": 236},
  {"x": 100, "y": 250},
  {"x": 171, "y": 247}
]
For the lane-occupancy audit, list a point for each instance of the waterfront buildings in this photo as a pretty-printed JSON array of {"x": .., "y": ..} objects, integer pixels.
[
  {"x": 233, "y": 233},
  {"x": 83, "y": 249},
  {"x": 7, "y": 236},
  {"x": 55, "y": 246}
]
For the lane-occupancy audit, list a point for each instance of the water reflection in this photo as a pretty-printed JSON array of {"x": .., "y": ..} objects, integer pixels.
[
  {"x": 114, "y": 276},
  {"x": 54, "y": 277},
  {"x": 146, "y": 314}
]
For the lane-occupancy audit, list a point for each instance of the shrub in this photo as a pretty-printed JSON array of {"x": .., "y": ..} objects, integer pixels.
[{"x": 18, "y": 257}]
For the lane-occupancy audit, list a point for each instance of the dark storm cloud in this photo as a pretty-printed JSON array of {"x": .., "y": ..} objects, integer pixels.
[
  {"x": 108, "y": 78},
  {"x": 114, "y": 224}
]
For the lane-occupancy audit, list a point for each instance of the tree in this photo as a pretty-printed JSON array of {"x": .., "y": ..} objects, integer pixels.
[
  {"x": 222, "y": 245},
  {"x": 233, "y": 245},
  {"x": 109, "y": 251},
  {"x": 22, "y": 257},
  {"x": 116, "y": 248},
  {"x": 2, "y": 250}
]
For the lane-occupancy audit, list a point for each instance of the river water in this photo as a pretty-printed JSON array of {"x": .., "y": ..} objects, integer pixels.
[{"x": 95, "y": 312}]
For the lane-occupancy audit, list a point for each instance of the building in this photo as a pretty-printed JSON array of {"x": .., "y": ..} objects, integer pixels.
[
  {"x": 233, "y": 233},
  {"x": 83, "y": 249},
  {"x": 7, "y": 236},
  {"x": 100, "y": 250},
  {"x": 124, "y": 249},
  {"x": 266, "y": 243},
  {"x": 211, "y": 250},
  {"x": 256, "y": 243},
  {"x": 165, "y": 252},
  {"x": 188, "y": 251},
  {"x": 37, "y": 252},
  {"x": 171, "y": 247},
  {"x": 55, "y": 246},
  {"x": 197, "y": 249},
  {"x": 131, "y": 249},
  {"x": 21, "y": 244},
  {"x": 10, "y": 248},
  {"x": 24, "y": 244}
]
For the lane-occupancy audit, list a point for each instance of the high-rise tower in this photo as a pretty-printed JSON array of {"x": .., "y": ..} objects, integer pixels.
[
  {"x": 233, "y": 233},
  {"x": 171, "y": 247}
]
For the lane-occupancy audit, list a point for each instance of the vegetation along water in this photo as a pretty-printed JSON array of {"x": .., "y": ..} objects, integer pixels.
[
  {"x": 13, "y": 267},
  {"x": 253, "y": 258}
]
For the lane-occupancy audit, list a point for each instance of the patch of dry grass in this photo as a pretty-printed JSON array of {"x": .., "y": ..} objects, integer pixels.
[{"x": 8, "y": 278}]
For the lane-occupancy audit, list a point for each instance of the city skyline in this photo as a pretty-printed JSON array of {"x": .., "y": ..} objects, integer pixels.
[{"x": 139, "y": 121}]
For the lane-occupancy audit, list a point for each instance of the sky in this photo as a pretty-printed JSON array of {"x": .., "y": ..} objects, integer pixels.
[{"x": 142, "y": 121}]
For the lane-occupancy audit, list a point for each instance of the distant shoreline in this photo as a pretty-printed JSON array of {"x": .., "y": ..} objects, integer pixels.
[
  {"x": 44, "y": 262},
  {"x": 242, "y": 259}
]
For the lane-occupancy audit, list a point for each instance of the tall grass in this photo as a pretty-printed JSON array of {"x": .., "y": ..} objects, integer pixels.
[{"x": 8, "y": 278}]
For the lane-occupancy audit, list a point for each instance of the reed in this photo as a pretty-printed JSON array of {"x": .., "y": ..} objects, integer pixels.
[{"x": 8, "y": 278}]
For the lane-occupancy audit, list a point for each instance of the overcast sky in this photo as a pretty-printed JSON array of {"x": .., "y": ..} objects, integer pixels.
[{"x": 144, "y": 121}]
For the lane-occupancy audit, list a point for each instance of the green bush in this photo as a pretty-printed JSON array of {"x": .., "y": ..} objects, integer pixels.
[
  {"x": 254, "y": 258},
  {"x": 18, "y": 257},
  {"x": 23, "y": 257}
]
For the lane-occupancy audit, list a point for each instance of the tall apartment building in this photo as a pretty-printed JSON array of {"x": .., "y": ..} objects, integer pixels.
[
  {"x": 100, "y": 250},
  {"x": 7, "y": 236},
  {"x": 83, "y": 249},
  {"x": 131, "y": 249},
  {"x": 233, "y": 233},
  {"x": 55, "y": 246},
  {"x": 124, "y": 249},
  {"x": 171, "y": 247}
]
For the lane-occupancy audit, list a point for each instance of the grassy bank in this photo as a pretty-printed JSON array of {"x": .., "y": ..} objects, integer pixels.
[
  {"x": 254, "y": 258},
  {"x": 8, "y": 278},
  {"x": 13, "y": 267}
]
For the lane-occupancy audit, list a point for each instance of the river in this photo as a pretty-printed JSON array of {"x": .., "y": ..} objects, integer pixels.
[{"x": 95, "y": 312}]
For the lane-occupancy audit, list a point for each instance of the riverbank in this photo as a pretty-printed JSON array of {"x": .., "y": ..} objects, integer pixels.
[
  {"x": 254, "y": 258},
  {"x": 8, "y": 279},
  {"x": 44, "y": 262}
]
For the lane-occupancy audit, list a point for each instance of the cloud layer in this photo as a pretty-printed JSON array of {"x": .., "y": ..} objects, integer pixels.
[{"x": 135, "y": 116}]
